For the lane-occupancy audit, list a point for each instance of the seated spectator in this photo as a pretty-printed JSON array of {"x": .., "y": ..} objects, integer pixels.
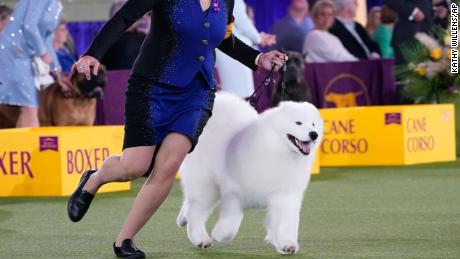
[
  {"x": 123, "y": 53},
  {"x": 65, "y": 57},
  {"x": 352, "y": 34},
  {"x": 374, "y": 19},
  {"x": 5, "y": 14},
  {"x": 320, "y": 45},
  {"x": 384, "y": 33},
  {"x": 293, "y": 28}
]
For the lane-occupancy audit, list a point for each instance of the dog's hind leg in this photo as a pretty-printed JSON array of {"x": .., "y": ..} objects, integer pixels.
[
  {"x": 197, "y": 213},
  {"x": 230, "y": 217},
  {"x": 269, "y": 228}
]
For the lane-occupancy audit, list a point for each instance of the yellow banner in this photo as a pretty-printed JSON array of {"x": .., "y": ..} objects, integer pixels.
[
  {"x": 388, "y": 135},
  {"x": 50, "y": 161}
]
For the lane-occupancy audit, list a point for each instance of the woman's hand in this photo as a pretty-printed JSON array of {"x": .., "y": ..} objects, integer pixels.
[
  {"x": 87, "y": 65},
  {"x": 274, "y": 57},
  {"x": 267, "y": 39},
  {"x": 47, "y": 58}
]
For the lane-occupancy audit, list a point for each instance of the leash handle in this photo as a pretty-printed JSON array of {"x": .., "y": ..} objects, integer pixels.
[{"x": 254, "y": 99}]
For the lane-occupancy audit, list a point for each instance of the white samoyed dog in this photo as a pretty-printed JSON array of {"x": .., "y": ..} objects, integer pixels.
[{"x": 243, "y": 161}]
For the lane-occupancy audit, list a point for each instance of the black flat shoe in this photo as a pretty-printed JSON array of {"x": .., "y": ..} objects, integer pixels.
[
  {"x": 128, "y": 250},
  {"x": 80, "y": 200}
]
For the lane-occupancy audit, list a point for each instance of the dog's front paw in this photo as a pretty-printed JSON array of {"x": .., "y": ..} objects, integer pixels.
[
  {"x": 203, "y": 242},
  {"x": 287, "y": 247}
]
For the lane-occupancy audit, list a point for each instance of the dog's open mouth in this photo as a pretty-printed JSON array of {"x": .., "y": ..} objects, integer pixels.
[{"x": 303, "y": 146}]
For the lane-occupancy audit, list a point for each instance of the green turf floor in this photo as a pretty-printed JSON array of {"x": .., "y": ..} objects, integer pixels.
[{"x": 393, "y": 212}]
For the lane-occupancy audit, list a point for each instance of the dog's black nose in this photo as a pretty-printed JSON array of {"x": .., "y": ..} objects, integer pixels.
[{"x": 313, "y": 135}]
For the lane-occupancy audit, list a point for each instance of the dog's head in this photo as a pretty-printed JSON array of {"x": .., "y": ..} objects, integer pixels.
[
  {"x": 90, "y": 88},
  {"x": 299, "y": 126},
  {"x": 295, "y": 67},
  {"x": 294, "y": 78}
]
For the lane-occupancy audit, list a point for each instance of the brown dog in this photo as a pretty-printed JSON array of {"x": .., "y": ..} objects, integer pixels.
[{"x": 74, "y": 107}]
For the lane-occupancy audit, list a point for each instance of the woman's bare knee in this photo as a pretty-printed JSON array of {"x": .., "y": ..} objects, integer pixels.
[
  {"x": 170, "y": 156},
  {"x": 169, "y": 167}
]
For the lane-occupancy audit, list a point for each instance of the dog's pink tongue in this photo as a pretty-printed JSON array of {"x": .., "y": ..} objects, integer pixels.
[{"x": 305, "y": 147}]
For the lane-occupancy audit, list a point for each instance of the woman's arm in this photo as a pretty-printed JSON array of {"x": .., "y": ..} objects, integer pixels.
[
  {"x": 238, "y": 50},
  {"x": 35, "y": 10},
  {"x": 132, "y": 11},
  {"x": 234, "y": 47},
  {"x": 248, "y": 56},
  {"x": 49, "y": 46}
]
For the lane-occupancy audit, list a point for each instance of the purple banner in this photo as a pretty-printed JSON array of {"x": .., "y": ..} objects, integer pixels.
[
  {"x": 349, "y": 84},
  {"x": 49, "y": 143},
  {"x": 368, "y": 82},
  {"x": 111, "y": 110}
]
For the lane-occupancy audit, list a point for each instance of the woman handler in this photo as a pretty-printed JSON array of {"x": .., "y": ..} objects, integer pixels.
[{"x": 168, "y": 102}]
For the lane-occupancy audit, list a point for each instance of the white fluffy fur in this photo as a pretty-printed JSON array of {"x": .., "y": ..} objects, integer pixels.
[{"x": 245, "y": 160}]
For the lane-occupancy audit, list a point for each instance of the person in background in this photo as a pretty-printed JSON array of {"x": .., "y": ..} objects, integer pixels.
[
  {"x": 5, "y": 14},
  {"x": 413, "y": 16},
  {"x": 441, "y": 12},
  {"x": 373, "y": 20},
  {"x": 123, "y": 53},
  {"x": 30, "y": 34},
  {"x": 384, "y": 33},
  {"x": 244, "y": 28},
  {"x": 291, "y": 30},
  {"x": 352, "y": 34},
  {"x": 65, "y": 57},
  {"x": 320, "y": 45}
]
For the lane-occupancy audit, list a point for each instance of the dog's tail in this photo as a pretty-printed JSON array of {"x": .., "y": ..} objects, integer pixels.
[{"x": 230, "y": 115}]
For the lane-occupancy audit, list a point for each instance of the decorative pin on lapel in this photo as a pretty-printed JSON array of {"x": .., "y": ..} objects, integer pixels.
[{"x": 215, "y": 5}]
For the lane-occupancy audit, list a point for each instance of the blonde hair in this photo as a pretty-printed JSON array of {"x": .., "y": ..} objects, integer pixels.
[{"x": 319, "y": 5}]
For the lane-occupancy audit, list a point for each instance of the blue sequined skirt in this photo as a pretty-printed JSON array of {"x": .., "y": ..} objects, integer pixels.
[{"x": 152, "y": 111}]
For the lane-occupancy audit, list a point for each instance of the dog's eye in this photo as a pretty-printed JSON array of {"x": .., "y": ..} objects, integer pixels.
[
  {"x": 298, "y": 122},
  {"x": 313, "y": 124}
]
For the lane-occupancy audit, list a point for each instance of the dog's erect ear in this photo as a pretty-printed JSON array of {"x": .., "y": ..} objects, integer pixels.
[{"x": 102, "y": 77}]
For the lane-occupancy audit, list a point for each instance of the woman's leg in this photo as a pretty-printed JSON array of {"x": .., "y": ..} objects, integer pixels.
[
  {"x": 132, "y": 164},
  {"x": 28, "y": 117},
  {"x": 157, "y": 187}
]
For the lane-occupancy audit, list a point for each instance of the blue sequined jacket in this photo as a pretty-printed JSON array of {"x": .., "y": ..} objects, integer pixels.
[{"x": 181, "y": 41}]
